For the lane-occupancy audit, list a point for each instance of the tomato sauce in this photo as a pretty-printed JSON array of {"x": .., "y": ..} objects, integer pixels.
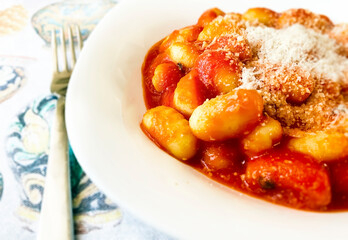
[{"x": 235, "y": 173}]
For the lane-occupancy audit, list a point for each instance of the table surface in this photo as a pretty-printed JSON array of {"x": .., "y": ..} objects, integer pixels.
[{"x": 26, "y": 108}]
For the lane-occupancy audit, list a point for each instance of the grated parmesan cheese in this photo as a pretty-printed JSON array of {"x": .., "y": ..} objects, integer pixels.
[
  {"x": 249, "y": 81},
  {"x": 297, "y": 45}
]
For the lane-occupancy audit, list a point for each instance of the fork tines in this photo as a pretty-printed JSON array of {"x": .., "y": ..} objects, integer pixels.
[{"x": 74, "y": 44}]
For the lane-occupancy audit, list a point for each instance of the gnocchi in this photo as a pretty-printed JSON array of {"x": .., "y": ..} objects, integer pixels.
[
  {"x": 184, "y": 54},
  {"x": 235, "y": 45},
  {"x": 257, "y": 101},
  {"x": 209, "y": 16},
  {"x": 309, "y": 19},
  {"x": 261, "y": 15},
  {"x": 171, "y": 130},
  {"x": 165, "y": 75},
  {"x": 189, "y": 94},
  {"x": 323, "y": 146},
  {"x": 227, "y": 116},
  {"x": 218, "y": 72},
  {"x": 222, "y": 25},
  {"x": 220, "y": 155},
  {"x": 295, "y": 173},
  {"x": 187, "y": 34},
  {"x": 268, "y": 133}
]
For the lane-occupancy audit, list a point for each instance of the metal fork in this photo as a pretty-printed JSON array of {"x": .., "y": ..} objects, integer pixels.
[{"x": 56, "y": 218}]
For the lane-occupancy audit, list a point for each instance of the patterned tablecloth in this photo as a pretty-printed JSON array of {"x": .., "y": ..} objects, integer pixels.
[{"x": 26, "y": 108}]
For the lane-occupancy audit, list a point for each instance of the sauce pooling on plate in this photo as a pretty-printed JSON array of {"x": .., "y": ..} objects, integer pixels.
[{"x": 256, "y": 101}]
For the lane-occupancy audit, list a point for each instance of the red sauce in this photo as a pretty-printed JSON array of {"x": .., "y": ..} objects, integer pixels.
[{"x": 300, "y": 179}]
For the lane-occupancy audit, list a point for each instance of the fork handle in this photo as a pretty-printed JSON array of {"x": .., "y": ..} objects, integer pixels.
[{"x": 56, "y": 221}]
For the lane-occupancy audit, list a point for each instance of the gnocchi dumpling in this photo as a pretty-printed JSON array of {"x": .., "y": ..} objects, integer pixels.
[
  {"x": 233, "y": 44},
  {"x": 220, "y": 155},
  {"x": 165, "y": 75},
  {"x": 183, "y": 53},
  {"x": 320, "y": 23},
  {"x": 222, "y": 75},
  {"x": 294, "y": 176},
  {"x": 222, "y": 25},
  {"x": 263, "y": 137},
  {"x": 227, "y": 116},
  {"x": 209, "y": 16},
  {"x": 188, "y": 94},
  {"x": 187, "y": 34},
  {"x": 170, "y": 130},
  {"x": 323, "y": 146},
  {"x": 261, "y": 15}
]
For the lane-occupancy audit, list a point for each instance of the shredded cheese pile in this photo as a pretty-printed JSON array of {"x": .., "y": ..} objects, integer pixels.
[
  {"x": 297, "y": 45},
  {"x": 278, "y": 52}
]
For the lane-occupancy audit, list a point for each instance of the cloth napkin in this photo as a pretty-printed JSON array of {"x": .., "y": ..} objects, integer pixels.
[{"x": 26, "y": 110}]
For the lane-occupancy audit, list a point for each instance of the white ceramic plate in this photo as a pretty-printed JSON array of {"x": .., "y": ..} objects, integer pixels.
[{"x": 105, "y": 106}]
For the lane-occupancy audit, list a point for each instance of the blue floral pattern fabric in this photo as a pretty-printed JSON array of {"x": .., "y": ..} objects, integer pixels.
[
  {"x": 11, "y": 79},
  {"x": 28, "y": 148},
  {"x": 27, "y": 109}
]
